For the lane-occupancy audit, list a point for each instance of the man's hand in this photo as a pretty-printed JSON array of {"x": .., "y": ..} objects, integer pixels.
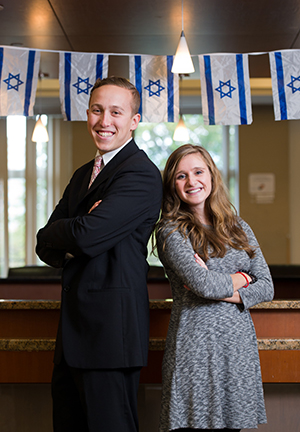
[{"x": 95, "y": 205}]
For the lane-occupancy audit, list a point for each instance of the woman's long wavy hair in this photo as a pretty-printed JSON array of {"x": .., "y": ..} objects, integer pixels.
[{"x": 222, "y": 215}]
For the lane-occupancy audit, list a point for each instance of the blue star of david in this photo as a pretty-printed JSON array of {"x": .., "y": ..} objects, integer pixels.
[
  {"x": 150, "y": 89},
  {"x": 291, "y": 84},
  {"x": 220, "y": 89},
  {"x": 82, "y": 90},
  {"x": 13, "y": 77}
]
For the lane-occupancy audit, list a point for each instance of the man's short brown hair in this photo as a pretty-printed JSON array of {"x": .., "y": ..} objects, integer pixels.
[{"x": 123, "y": 83}]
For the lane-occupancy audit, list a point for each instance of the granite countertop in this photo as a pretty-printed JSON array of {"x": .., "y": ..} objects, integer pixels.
[
  {"x": 275, "y": 304},
  {"x": 153, "y": 304},
  {"x": 155, "y": 344},
  {"x": 33, "y": 273},
  {"x": 29, "y": 304},
  {"x": 27, "y": 344},
  {"x": 158, "y": 344}
]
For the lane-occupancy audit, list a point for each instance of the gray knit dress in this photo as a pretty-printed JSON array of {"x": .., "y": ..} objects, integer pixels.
[{"x": 211, "y": 368}]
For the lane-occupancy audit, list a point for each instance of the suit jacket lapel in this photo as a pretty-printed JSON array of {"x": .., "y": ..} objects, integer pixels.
[
  {"x": 120, "y": 157},
  {"x": 83, "y": 192},
  {"x": 85, "y": 181}
]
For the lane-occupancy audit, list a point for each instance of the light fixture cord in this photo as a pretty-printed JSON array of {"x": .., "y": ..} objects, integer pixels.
[{"x": 182, "y": 15}]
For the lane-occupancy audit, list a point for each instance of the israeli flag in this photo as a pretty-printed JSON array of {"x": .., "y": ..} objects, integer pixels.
[
  {"x": 19, "y": 71},
  {"x": 225, "y": 89},
  {"x": 158, "y": 87},
  {"x": 285, "y": 74},
  {"x": 78, "y": 73}
]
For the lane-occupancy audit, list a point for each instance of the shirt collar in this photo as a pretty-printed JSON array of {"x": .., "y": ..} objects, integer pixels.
[{"x": 107, "y": 157}]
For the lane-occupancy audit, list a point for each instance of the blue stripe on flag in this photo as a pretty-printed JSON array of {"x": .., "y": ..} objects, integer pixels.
[
  {"x": 280, "y": 84},
  {"x": 1, "y": 62},
  {"x": 170, "y": 89},
  {"x": 138, "y": 80},
  {"x": 67, "y": 85},
  {"x": 99, "y": 66},
  {"x": 241, "y": 84},
  {"x": 28, "y": 88},
  {"x": 209, "y": 90}
]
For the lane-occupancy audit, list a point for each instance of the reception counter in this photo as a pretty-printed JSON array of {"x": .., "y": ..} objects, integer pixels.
[
  {"x": 28, "y": 329},
  {"x": 29, "y": 314},
  {"x": 30, "y": 307}
]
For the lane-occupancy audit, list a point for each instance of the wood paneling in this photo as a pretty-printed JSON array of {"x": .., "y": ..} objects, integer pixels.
[
  {"x": 36, "y": 290},
  {"x": 28, "y": 323},
  {"x": 280, "y": 366},
  {"x": 26, "y": 367},
  {"x": 39, "y": 319},
  {"x": 270, "y": 323}
]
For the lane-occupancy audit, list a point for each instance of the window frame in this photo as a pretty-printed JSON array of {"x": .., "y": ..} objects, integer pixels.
[{"x": 56, "y": 182}]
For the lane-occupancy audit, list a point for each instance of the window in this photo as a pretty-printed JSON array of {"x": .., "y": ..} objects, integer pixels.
[
  {"x": 42, "y": 180},
  {"x": 24, "y": 191},
  {"x": 16, "y": 186},
  {"x": 33, "y": 175},
  {"x": 221, "y": 142}
]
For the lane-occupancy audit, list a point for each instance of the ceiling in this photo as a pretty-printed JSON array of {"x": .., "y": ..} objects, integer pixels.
[{"x": 151, "y": 27}]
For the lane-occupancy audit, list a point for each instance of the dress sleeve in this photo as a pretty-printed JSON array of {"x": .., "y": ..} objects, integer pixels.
[
  {"x": 262, "y": 290},
  {"x": 178, "y": 257}
]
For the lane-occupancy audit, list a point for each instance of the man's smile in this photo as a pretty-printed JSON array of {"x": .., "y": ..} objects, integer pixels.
[{"x": 105, "y": 134}]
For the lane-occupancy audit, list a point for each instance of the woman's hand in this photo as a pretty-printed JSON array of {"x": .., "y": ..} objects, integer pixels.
[
  {"x": 95, "y": 205},
  {"x": 201, "y": 263},
  {"x": 236, "y": 298},
  {"x": 239, "y": 280}
]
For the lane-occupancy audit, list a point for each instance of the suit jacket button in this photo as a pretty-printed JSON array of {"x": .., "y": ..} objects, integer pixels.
[{"x": 67, "y": 288}]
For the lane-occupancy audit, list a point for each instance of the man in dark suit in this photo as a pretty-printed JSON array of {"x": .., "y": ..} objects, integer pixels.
[{"x": 98, "y": 233}]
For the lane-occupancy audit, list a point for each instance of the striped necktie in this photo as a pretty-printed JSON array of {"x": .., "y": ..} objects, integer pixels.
[{"x": 96, "y": 169}]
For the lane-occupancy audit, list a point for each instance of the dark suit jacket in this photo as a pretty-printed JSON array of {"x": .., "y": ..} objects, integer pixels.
[{"x": 105, "y": 309}]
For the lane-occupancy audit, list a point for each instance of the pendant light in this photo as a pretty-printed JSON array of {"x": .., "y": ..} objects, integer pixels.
[
  {"x": 181, "y": 132},
  {"x": 183, "y": 63},
  {"x": 40, "y": 133}
]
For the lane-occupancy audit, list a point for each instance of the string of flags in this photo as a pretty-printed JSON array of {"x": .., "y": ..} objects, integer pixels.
[
  {"x": 225, "y": 89},
  {"x": 158, "y": 87},
  {"x": 18, "y": 80},
  {"x": 285, "y": 74},
  {"x": 225, "y": 84},
  {"x": 77, "y": 74}
]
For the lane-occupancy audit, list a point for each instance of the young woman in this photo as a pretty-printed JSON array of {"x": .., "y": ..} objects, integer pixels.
[{"x": 211, "y": 369}]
